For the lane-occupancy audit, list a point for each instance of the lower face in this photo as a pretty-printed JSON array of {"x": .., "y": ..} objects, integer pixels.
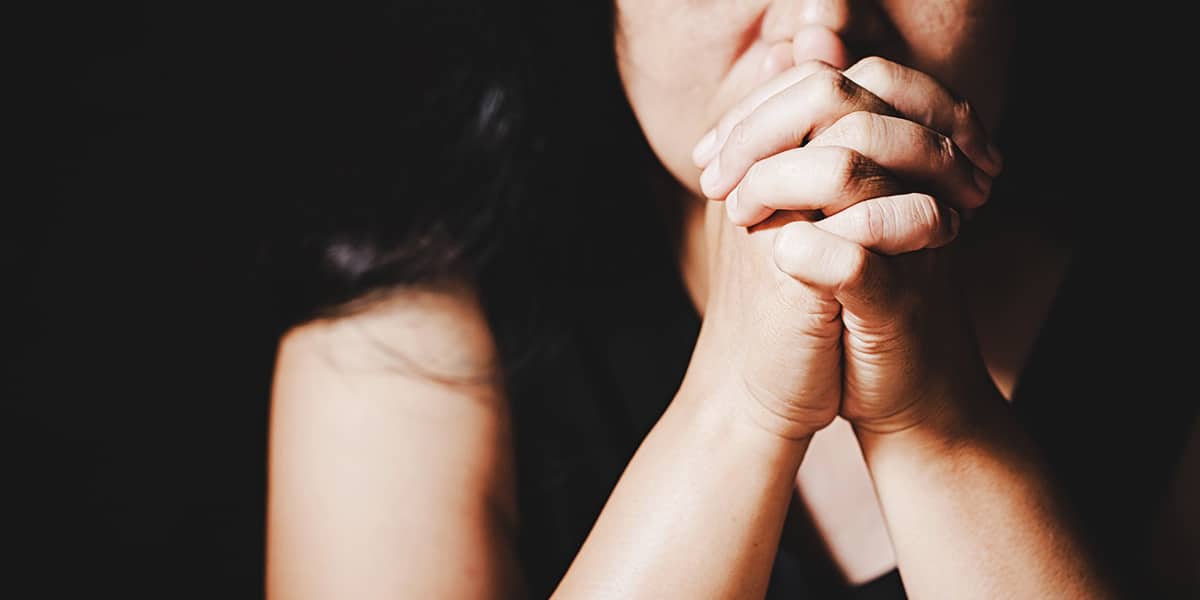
[{"x": 684, "y": 63}]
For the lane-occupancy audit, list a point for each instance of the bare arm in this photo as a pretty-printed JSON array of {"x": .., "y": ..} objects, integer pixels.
[
  {"x": 384, "y": 481},
  {"x": 698, "y": 512},
  {"x": 969, "y": 511},
  {"x": 972, "y": 515}
]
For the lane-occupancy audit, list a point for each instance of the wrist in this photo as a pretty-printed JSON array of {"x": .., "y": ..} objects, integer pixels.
[
  {"x": 942, "y": 427},
  {"x": 723, "y": 415}
]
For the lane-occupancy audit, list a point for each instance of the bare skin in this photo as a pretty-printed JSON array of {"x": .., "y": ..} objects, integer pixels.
[{"x": 379, "y": 472}]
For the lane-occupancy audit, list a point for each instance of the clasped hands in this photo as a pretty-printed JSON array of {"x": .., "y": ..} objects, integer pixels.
[{"x": 829, "y": 291}]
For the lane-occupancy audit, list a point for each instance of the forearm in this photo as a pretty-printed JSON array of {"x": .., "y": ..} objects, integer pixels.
[
  {"x": 697, "y": 513},
  {"x": 972, "y": 514}
]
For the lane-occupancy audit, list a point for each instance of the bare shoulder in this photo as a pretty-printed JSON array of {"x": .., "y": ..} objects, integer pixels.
[
  {"x": 435, "y": 331},
  {"x": 388, "y": 433}
]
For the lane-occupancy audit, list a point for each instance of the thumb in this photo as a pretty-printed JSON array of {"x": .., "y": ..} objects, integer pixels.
[{"x": 862, "y": 282}]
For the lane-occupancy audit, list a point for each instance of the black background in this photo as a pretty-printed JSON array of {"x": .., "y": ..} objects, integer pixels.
[
  {"x": 142, "y": 334},
  {"x": 141, "y": 328}
]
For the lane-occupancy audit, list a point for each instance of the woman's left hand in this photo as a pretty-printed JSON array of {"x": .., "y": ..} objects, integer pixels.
[
  {"x": 969, "y": 507},
  {"x": 909, "y": 356}
]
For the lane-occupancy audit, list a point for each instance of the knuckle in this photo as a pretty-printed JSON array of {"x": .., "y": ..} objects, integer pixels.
[
  {"x": 926, "y": 209},
  {"x": 859, "y": 120},
  {"x": 857, "y": 175},
  {"x": 926, "y": 215},
  {"x": 813, "y": 66},
  {"x": 851, "y": 168},
  {"x": 874, "y": 68},
  {"x": 740, "y": 135},
  {"x": 847, "y": 130},
  {"x": 754, "y": 180},
  {"x": 874, "y": 218},
  {"x": 945, "y": 151},
  {"x": 964, "y": 114},
  {"x": 729, "y": 121},
  {"x": 830, "y": 86}
]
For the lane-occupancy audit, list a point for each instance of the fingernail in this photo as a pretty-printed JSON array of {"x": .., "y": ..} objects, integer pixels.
[
  {"x": 703, "y": 151},
  {"x": 731, "y": 204},
  {"x": 995, "y": 155},
  {"x": 710, "y": 176}
]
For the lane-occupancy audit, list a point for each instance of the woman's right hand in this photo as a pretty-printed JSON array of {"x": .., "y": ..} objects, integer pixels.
[
  {"x": 767, "y": 342},
  {"x": 774, "y": 344}
]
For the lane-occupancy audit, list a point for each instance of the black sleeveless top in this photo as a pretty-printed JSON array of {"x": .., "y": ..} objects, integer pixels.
[{"x": 1095, "y": 395}]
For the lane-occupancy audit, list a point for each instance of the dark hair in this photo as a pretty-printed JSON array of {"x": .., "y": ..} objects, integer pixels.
[
  {"x": 483, "y": 141},
  {"x": 492, "y": 142}
]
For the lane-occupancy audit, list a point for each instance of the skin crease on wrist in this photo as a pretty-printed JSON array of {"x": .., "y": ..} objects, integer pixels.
[
  {"x": 824, "y": 151},
  {"x": 685, "y": 65}
]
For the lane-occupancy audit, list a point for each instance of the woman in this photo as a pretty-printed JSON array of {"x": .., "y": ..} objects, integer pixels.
[{"x": 766, "y": 308}]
